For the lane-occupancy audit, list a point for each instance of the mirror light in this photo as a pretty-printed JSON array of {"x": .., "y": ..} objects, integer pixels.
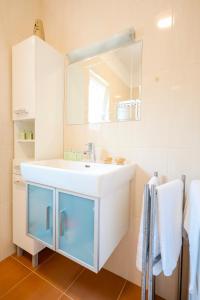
[
  {"x": 165, "y": 22},
  {"x": 116, "y": 41}
]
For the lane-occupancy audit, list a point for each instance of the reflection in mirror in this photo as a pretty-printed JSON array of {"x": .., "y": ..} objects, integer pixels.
[{"x": 105, "y": 88}]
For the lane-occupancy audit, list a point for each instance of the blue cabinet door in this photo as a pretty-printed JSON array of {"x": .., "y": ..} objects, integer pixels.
[
  {"x": 41, "y": 214},
  {"x": 75, "y": 228}
]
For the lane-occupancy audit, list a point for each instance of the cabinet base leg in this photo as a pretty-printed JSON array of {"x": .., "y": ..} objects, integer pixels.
[
  {"x": 35, "y": 260},
  {"x": 19, "y": 251}
]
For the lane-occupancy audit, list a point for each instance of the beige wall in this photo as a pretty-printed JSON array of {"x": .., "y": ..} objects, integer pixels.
[
  {"x": 167, "y": 138},
  {"x": 16, "y": 23}
]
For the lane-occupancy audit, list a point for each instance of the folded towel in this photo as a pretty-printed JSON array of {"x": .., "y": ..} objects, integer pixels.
[
  {"x": 170, "y": 203},
  {"x": 158, "y": 267},
  {"x": 192, "y": 226}
]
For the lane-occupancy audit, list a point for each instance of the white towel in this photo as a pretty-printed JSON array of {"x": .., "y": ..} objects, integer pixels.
[
  {"x": 170, "y": 203},
  {"x": 157, "y": 269},
  {"x": 192, "y": 226}
]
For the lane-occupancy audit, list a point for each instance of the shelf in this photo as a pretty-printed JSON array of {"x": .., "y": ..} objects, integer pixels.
[
  {"x": 26, "y": 141},
  {"x": 32, "y": 120}
]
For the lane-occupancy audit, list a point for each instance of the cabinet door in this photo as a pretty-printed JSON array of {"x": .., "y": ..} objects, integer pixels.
[
  {"x": 76, "y": 236},
  {"x": 20, "y": 238},
  {"x": 41, "y": 214}
]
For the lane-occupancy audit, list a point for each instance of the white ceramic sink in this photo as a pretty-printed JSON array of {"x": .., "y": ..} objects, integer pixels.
[{"x": 92, "y": 179}]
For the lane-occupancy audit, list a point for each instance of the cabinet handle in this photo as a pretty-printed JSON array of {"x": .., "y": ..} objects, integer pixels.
[
  {"x": 17, "y": 181},
  {"x": 62, "y": 222},
  {"x": 21, "y": 112},
  {"x": 48, "y": 217}
]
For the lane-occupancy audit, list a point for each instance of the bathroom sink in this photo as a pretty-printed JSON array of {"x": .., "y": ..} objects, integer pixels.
[{"x": 87, "y": 178}]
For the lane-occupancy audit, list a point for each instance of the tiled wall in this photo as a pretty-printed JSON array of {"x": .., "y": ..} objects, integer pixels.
[
  {"x": 16, "y": 23},
  {"x": 168, "y": 137}
]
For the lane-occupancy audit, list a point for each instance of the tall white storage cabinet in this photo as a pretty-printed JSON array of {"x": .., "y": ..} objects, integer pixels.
[{"x": 38, "y": 97}]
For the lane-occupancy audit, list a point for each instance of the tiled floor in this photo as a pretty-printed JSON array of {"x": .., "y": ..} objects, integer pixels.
[{"x": 57, "y": 277}]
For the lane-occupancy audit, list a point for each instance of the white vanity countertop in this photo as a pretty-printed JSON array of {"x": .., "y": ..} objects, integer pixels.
[{"x": 94, "y": 179}]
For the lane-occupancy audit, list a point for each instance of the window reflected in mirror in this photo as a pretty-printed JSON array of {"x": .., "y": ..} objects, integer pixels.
[
  {"x": 105, "y": 88},
  {"x": 98, "y": 99}
]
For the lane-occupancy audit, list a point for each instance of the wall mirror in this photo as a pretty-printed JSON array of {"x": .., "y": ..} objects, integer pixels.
[{"x": 106, "y": 87}]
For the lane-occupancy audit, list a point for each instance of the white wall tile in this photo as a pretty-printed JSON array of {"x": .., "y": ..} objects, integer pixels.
[
  {"x": 167, "y": 138},
  {"x": 186, "y": 38}
]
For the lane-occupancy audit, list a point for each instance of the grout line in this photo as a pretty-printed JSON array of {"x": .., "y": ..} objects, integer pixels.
[
  {"x": 75, "y": 279},
  {"x": 15, "y": 285},
  {"x": 41, "y": 277},
  {"x": 63, "y": 294},
  {"x": 32, "y": 269},
  {"x": 49, "y": 282},
  {"x": 72, "y": 283},
  {"x": 21, "y": 263},
  {"x": 59, "y": 297},
  {"x": 123, "y": 287},
  {"x": 44, "y": 262},
  {"x": 69, "y": 297}
]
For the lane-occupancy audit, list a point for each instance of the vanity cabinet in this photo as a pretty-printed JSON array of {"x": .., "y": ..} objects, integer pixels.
[
  {"x": 83, "y": 228},
  {"x": 63, "y": 222}
]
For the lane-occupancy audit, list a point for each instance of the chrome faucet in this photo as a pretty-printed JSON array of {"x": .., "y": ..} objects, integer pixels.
[{"x": 91, "y": 151}]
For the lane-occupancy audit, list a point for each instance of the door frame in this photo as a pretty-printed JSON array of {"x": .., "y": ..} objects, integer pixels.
[
  {"x": 95, "y": 267},
  {"x": 53, "y": 247}
]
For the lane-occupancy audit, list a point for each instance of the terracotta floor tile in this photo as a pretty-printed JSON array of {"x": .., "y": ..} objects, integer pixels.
[
  {"x": 45, "y": 254},
  {"x": 132, "y": 292},
  {"x": 64, "y": 297},
  {"x": 11, "y": 272},
  {"x": 26, "y": 258},
  {"x": 159, "y": 298},
  {"x": 60, "y": 271},
  {"x": 18, "y": 282},
  {"x": 33, "y": 288},
  {"x": 102, "y": 286}
]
